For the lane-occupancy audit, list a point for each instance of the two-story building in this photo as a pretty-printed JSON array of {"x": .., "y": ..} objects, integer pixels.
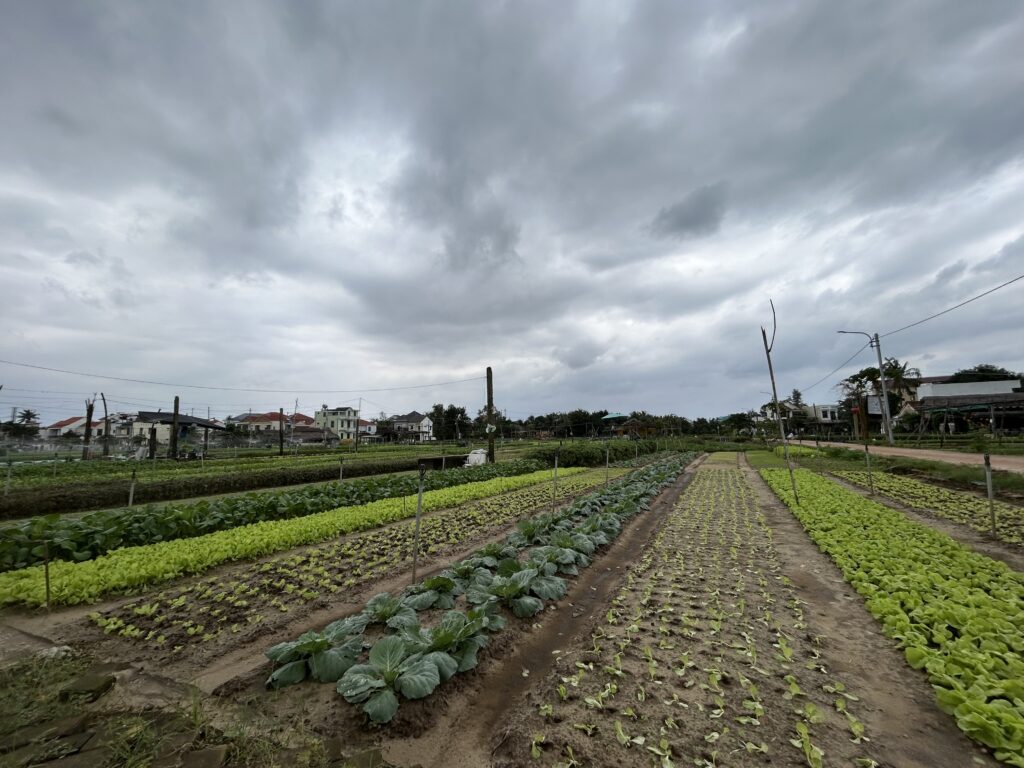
[
  {"x": 413, "y": 426},
  {"x": 343, "y": 421}
]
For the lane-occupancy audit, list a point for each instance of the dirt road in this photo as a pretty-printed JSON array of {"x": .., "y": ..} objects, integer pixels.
[{"x": 1006, "y": 463}]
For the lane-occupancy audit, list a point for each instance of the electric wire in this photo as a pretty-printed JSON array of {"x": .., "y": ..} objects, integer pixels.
[
  {"x": 243, "y": 389},
  {"x": 957, "y": 306}
]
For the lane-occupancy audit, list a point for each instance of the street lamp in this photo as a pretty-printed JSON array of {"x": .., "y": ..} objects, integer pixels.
[{"x": 874, "y": 341}]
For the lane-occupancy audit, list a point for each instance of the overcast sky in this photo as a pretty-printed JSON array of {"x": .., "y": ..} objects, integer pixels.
[{"x": 597, "y": 199}]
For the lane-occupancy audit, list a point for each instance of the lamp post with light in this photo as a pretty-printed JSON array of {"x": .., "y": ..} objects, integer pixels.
[{"x": 874, "y": 341}]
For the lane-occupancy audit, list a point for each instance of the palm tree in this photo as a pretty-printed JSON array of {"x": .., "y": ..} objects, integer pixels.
[
  {"x": 902, "y": 378},
  {"x": 27, "y": 416}
]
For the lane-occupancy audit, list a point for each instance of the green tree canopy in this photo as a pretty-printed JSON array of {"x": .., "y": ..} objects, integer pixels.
[{"x": 984, "y": 372}]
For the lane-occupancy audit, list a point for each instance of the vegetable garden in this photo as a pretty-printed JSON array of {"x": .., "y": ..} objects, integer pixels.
[{"x": 520, "y": 642}]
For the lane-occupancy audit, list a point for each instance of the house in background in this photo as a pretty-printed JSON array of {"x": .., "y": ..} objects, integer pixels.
[
  {"x": 270, "y": 421},
  {"x": 74, "y": 424},
  {"x": 342, "y": 421},
  {"x": 368, "y": 431},
  {"x": 413, "y": 426}
]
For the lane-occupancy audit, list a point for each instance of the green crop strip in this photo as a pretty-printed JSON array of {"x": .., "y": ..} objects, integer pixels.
[
  {"x": 135, "y": 567},
  {"x": 249, "y": 600},
  {"x": 958, "y": 615},
  {"x": 83, "y": 538},
  {"x": 960, "y": 507}
]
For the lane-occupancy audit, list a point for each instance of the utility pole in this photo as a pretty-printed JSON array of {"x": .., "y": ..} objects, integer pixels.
[
  {"x": 106, "y": 427},
  {"x": 490, "y": 416},
  {"x": 172, "y": 449},
  {"x": 875, "y": 342},
  {"x": 359, "y": 413},
  {"x": 89, "y": 404},
  {"x": 775, "y": 400}
]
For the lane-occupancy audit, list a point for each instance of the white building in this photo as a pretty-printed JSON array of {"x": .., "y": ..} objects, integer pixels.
[
  {"x": 341, "y": 421},
  {"x": 960, "y": 389}
]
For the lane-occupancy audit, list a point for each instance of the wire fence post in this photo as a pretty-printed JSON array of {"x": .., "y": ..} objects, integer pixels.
[
  {"x": 607, "y": 457},
  {"x": 991, "y": 499},
  {"x": 131, "y": 489},
  {"x": 867, "y": 460},
  {"x": 7, "y": 484},
  {"x": 55, "y": 463},
  {"x": 341, "y": 470},
  {"x": 554, "y": 483},
  {"x": 416, "y": 535}
]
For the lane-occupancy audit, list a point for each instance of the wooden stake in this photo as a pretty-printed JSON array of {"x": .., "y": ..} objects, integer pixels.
[
  {"x": 991, "y": 497},
  {"x": 46, "y": 571},
  {"x": 775, "y": 403},
  {"x": 131, "y": 490},
  {"x": 416, "y": 535},
  {"x": 280, "y": 433}
]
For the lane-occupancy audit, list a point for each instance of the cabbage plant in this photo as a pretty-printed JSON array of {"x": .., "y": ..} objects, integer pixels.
[{"x": 394, "y": 669}]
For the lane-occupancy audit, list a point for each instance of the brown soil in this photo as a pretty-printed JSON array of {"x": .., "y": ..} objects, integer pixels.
[{"x": 981, "y": 543}]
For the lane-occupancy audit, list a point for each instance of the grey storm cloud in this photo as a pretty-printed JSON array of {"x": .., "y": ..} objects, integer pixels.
[
  {"x": 598, "y": 201},
  {"x": 699, "y": 213}
]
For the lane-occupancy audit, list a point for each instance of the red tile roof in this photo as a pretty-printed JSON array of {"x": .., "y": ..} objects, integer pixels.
[{"x": 66, "y": 422}]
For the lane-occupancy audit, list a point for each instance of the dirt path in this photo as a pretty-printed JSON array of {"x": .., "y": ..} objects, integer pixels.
[
  {"x": 1005, "y": 463},
  {"x": 982, "y": 543},
  {"x": 897, "y": 703}
]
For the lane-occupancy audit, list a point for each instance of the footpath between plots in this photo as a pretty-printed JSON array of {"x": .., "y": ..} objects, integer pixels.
[{"x": 1005, "y": 463}]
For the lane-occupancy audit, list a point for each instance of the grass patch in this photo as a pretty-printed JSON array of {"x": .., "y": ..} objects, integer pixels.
[
  {"x": 29, "y": 691},
  {"x": 765, "y": 459}
]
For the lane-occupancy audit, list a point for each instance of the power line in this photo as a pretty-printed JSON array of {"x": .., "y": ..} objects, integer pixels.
[
  {"x": 243, "y": 389},
  {"x": 961, "y": 304},
  {"x": 912, "y": 325},
  {"x": 837, "y": 368}
]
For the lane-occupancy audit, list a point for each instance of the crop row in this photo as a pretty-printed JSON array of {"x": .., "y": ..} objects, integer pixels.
[
  {"x": 113, "y": 491},
  {"x": 530, "y": 567},
  {"x": 132, "y": 568},
  {"x": 958, "y": 615},
  {"x": 229, "y": 607},
  {"x": 83, "y": 538},
  {"x": 43, "y": 472},
  {"x": 958, "y": 506},
  {"x": 705, "y": 656}
]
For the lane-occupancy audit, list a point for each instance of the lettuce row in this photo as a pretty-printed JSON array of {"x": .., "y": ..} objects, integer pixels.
[
  {"x": 958, "y": 615},
  {"x": 965, "y": 508},
  {"x": 87, "y": 536}
]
